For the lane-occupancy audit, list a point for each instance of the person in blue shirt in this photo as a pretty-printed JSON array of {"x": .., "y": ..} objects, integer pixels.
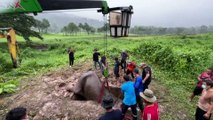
[
  {"x": 111, "y": 114},
  {"x": 138, "y": 85},
  {"x": 129, "y": 100}
]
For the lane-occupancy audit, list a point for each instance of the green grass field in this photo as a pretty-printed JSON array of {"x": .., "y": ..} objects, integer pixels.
[{"x": 175, "y": 60}]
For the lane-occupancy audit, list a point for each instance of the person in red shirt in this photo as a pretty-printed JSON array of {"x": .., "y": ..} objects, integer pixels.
[
  {"x": 130, "y": 67},
  {"x": 150, "y": 111},
  {"x": 207, "y": 75}
]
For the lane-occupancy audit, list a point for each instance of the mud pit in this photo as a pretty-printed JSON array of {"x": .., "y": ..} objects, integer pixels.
[{"x": 50, "y": 97}]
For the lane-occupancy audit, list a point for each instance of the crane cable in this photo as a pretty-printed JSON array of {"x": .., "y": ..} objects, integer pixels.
[
  {"x": 105, "y": 83},
  {"x": 105, "y": 34}
]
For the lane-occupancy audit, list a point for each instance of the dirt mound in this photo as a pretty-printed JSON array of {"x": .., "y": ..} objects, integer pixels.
[{"x": 49, "y": 97}]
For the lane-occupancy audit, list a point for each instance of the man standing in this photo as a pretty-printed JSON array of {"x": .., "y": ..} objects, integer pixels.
[
  {"x": 130, "y": 67},
  {"x": 205, "y": 102},
  {"x": 71, "y": 56},
  {"x": 204, "y": 76},
  {"x": 138, "y": 88},
  {"x": 96, "y": 55},
  {"x": 146, "y": 75},
  {"x": 151, "y": 106},
  {"x": 129, "y": 100},
  {"x": 111, "y": 114},
  {"x": 124, "y": 56}
]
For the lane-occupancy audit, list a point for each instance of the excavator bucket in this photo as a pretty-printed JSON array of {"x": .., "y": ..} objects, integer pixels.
[
  {"x": 10, "y": 34},
  {"x": 12, "y": 45},
  {"x": 35, "y": 6}
]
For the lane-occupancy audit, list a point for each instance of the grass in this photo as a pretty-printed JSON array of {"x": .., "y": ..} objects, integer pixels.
[{"x": 50, "y": 54}]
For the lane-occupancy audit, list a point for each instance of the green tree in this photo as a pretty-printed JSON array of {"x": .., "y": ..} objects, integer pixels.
[
  {"x": 45, "y": 25},
  {"x": 39, "y": 26},
  {"x": 65, "y": 30},
  {"x": 103, "y": 28},
  {"x": 72, "y": 28},
  {"x": 88, "y": 29},
  {"x": 22, "y": 23}
]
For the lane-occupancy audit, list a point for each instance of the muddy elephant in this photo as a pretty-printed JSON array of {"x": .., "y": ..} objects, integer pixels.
[{"x": 88, "y": 87}]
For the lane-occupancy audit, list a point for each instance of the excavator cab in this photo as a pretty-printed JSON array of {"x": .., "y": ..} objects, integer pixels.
[{"x": 10, "y": 35}]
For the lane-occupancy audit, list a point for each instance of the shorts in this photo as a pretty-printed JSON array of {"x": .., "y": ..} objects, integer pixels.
[
  {"x": 199, "y": 114},
  {"x": 197, "y": 90}
]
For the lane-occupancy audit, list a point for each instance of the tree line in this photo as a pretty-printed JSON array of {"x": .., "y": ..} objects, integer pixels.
[
  {"x": 27, "y": 26},
  {"x": 151, "y": 30}
]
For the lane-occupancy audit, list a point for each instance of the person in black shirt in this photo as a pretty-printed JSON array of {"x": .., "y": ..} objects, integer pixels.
[
  {"x": 116, "y": 70},
  {"x": 146, "y": 75},
  {"x": 96, "y": 55},
  {"x": 103, "y": 64},
  {"x": 71, "y": 56},
  {"x": 124, "y": 56},
  {"x": 111, "y": 114}
]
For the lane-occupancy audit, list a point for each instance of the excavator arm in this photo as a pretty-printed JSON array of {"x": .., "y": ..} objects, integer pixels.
[
  {"x": 10, "y": 34},
  {"x": 35, "y": 6}
]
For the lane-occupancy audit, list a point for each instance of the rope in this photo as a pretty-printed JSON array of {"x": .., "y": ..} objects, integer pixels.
[
  {"x": 104, "y": 85},
  {"x": 105, "y": 34}
]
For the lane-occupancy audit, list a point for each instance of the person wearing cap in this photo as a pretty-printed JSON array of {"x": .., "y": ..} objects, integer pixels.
[
  {"x": 150, "y": 111},
  {"x": 129, "y": 100},
  {"x": 146, "y": 75},
  {"x": 111, "y": 114},
  {"x": 138, "y": 85},
  {"x": 96, "y": 55},
  {"x": 205, "y": 102},
  {"x": 124, "y": 56},
  {"x": 18, "y": 113}
]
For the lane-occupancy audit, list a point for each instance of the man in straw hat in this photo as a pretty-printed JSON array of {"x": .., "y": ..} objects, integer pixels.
[
  {"x": 151, "y": 107},
  {"x": 111, "y": 114},
  {"x": 146, "y": 75}
]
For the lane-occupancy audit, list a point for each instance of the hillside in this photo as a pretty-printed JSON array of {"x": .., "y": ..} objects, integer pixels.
[{"x": 58, "y": 20}]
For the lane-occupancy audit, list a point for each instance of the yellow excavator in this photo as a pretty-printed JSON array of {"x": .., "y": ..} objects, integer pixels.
[{"x": 10, "y": 35}]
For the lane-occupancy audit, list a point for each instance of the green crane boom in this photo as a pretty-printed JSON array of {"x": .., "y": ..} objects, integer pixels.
[{"x": 35, "y": 6}]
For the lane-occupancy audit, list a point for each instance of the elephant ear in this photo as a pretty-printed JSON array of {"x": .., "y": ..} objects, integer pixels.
[{"x": 79, "y": 86}]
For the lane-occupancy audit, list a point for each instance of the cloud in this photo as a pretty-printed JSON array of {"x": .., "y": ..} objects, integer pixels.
[{"x": 167, "y": 13}]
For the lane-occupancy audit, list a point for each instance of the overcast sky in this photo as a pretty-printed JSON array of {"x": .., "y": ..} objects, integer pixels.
[{"x": 165, "y": 13}]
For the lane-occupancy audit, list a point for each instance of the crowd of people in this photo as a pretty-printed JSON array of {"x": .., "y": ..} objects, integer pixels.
[
  {"x": 136, "y": 92},
  {"x": 134, "y": 89}
]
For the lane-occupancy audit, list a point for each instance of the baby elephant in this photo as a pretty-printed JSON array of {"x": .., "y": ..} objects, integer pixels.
[{"x": 88, "y": 87}]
